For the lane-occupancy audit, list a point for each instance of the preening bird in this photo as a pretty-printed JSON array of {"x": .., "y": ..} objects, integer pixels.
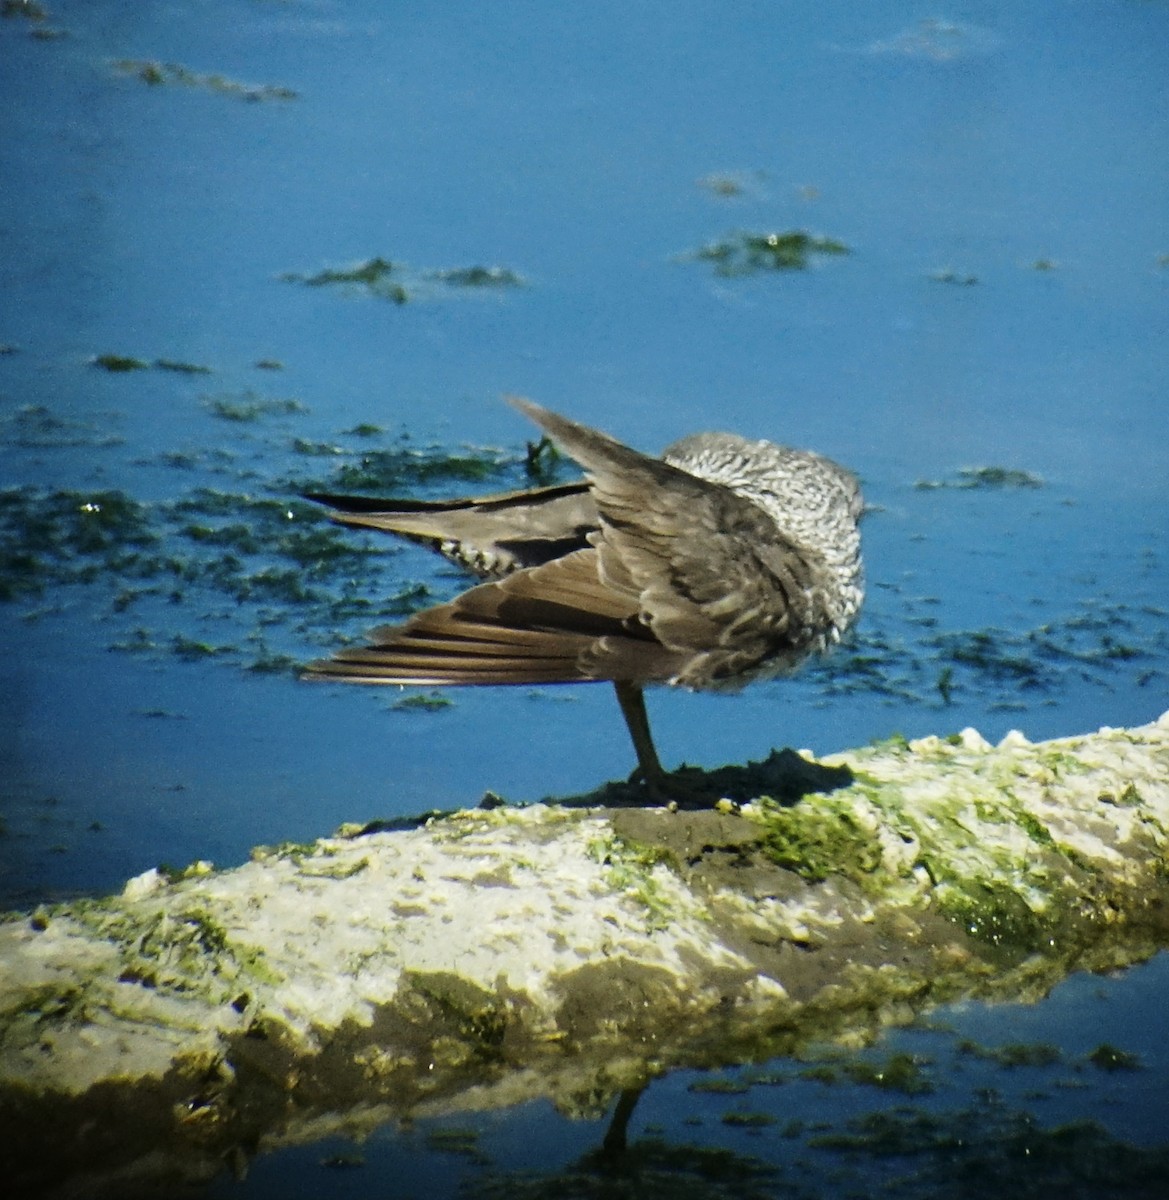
[{"x": 723, "y": 562}]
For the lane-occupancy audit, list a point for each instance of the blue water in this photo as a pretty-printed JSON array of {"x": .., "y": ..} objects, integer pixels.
[{"x": 1023, "y": 148}]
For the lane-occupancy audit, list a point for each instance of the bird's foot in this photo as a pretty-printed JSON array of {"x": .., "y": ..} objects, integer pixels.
[{"x": 687, "y": 787}]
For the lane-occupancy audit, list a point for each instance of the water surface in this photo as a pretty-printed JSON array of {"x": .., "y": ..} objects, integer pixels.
[{"x": 547, "y": 183}]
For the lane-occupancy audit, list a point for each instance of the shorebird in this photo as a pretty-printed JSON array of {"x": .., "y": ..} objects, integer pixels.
[{"x": 723, "y": 562}]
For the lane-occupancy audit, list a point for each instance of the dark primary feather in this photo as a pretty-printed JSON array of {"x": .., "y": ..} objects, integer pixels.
[
  {"x": 539, "y": 625},
  {"x": 490, "y": 535}
]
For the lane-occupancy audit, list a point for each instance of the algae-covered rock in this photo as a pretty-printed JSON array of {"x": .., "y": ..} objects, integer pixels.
[{"x": 570, "y": 950}]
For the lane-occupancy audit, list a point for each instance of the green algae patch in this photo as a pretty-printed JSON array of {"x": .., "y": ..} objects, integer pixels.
[
  {"x": 631, "y": 870},
  {"x": 1109, "y": 1059},
  {"x": 1014, "y": 1054},
  {"x": 748, "y": 1120},
  {"x": 729, "y": 185},
  {"x": 543, "y": 462},
  {"x": 377, "y": 276},
  {"x": 818, "y": 842},
  {"x": 649, "y": 1168},
  {"x": 396, "y": 466},
  {"x": 248, "y": 407},
  {"x": 997, "y": 851},
  {"x": 753, "y": 253},
  {"x": 477, "y": 277},
  {"x": 904, "y": 1073},
  {"x": 991, "y": 652},
  {"x": 984, "y": 479},
  {"x": 898, "y": 1072},
  {"x": 36, "y": 426},
  {"x": 996, "y": 914},
  {"x": 993, "y": 1148},
  {"x": 52, "y": 537},
  {"x": 30, "y": 10},
  {"x": 399, "y": 283},
  {"x": 422, "y": 702},
  {"x": 123, "y": 364},
  {"x": 159, "y": 74},
  {"x": 720, "y": 1087},
  {"x": 179, "y": 367},
  {"x": 461, "y": 1142},
  {"x": 953, "y": 278},
  {"x": 230, "y": 574},
  {"x": 120, "y": 364}
]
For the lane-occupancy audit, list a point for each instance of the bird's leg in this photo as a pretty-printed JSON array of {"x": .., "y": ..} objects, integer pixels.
[
  {"x": 661, "y": 786},
  {"x": 615, "y": 1143},
  {"x": 632, "y": 701}
]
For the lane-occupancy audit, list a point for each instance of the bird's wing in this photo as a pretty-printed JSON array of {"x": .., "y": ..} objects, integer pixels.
[
  {"x": 546, "y": 624},
  {"x": 490, "y": 535},
  {"x": 713, "y": 573}
]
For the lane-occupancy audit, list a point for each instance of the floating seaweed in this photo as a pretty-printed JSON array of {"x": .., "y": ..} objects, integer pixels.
[
  {"x": 30, "y": 10},
  {"x": 422, "y": 702},
  {"x": 476, "y": 277},
  {"x": 123, "y": 363},
  {"x": 376, "y": 275},
  {"x": 402, "y": 466},
  {"x": 970, "y": 478},
  {"x": 36, "y": 425},
  {"x": 751, "y": 253},
  {"x": 948, "y": 275},
  {"x": 722, "y": 185},
  {"x": 396, "y": 282},
  {"x": 181, "y": 368},
  {"x": 158, "y": 73},
  {"x": 119, "y": 363},
  {"x": 247, "y": 407},
  {"x": 35, "y": 14}
]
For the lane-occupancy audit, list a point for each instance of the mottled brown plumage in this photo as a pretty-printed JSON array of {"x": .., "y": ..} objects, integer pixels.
[{"x": 722, "y": 562}]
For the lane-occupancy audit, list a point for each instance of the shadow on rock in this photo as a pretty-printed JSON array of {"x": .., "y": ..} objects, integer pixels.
[{"x": 783, "y": 775}]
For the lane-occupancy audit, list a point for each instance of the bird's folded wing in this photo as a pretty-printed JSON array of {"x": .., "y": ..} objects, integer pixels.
[
  {"x": 555, "y": 623},
  {"x": 714, "y": 573}
]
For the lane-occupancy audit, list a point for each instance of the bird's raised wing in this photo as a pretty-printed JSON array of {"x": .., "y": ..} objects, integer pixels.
[{"x": 715, "y": 577}]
